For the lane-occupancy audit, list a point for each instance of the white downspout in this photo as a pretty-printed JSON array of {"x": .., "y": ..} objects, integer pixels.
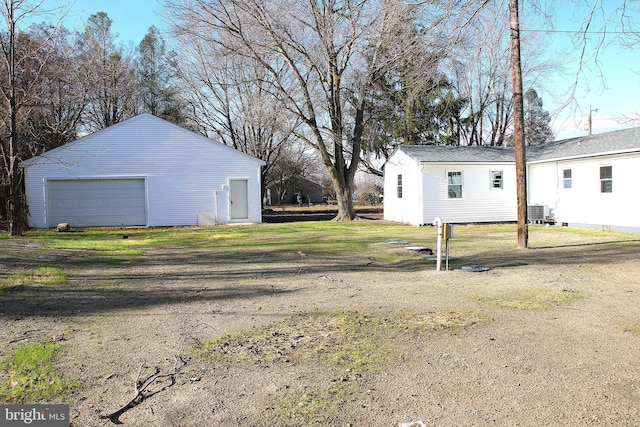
[{"x": 215, "y": 206}]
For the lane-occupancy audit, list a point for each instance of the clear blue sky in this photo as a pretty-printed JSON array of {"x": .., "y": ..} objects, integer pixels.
[
  {"x": 615, "y": 97},
  {"x": 608, "y": 83},
  {"x": 131, "y": 18}
]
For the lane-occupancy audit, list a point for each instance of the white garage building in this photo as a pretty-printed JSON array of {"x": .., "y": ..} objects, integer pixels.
[{"x": 143, "y": 171}]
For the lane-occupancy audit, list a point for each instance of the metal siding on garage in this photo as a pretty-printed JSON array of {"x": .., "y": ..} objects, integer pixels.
[{"x": 97, "y": 202}]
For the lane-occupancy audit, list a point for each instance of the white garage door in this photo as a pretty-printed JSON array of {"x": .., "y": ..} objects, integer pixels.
[{"x": 96, "y": 202}]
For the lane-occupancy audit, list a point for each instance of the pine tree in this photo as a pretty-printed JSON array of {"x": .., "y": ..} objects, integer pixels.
[
  {"x": 158, "y": 91},
  {"x": 109, "y": 72},
  {"x": 536, "y": 120}
]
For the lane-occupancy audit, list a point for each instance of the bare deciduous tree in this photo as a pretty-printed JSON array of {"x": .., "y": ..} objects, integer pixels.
[
  {"x": 290, "y": 169},
  {"x": 55, "y": 116},
  {"x": 480, "y": 66},
  {"x": 593, "y": 27},
  {"x": 230, "y": 97},
  {"x": 28, "y": 66},
  {"x": 332, "y": 52}
]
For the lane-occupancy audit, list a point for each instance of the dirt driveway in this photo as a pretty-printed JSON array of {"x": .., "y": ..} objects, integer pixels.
[{"x": 573, "y": 364}]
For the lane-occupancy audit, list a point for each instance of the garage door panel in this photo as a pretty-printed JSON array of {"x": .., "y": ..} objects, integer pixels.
[{"x": 97, "y": 202}]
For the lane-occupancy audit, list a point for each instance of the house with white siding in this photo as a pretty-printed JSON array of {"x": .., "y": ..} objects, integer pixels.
[
  {"x": 588, "y": 182},
  {"x": 457, "y": 184},
  {"x": 143, "y": 171}
]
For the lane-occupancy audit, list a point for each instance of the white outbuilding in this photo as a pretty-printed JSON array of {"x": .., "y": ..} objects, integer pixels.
[
  {"x": 144, "y": 171},
  {"x": 587, "y": 182},
  {"x": 457, "y": 184}
]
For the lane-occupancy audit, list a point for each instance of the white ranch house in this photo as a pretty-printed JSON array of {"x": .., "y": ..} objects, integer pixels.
[
  {"x": 457, "y": 184},
  {"x": 583, "y": 182},
  {"x": 143, "y": 171}
]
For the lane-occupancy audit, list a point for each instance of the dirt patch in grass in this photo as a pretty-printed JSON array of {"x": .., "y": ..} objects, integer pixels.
[
  {"x": 278, "y": 328},
  {"x": 351, "y": 345},
  {"x": 530, "y": 299}
]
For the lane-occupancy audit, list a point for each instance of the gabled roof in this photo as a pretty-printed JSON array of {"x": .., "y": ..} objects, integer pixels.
[
  {"x": 615, "y": 142},
  {"x": 140, "y": 119},
  {"x": 458, "y": 154}
]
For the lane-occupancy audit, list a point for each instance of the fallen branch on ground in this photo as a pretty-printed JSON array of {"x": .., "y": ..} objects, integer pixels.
[
  {"x": 141, "y": 386},
  {"x": 25, "y": 336}
]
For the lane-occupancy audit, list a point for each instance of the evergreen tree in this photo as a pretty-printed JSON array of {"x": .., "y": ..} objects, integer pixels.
[
  {"x": 109, "y": 73},
  {"x": 158, "y": 92},
  {"x": 536, "y": 120}
]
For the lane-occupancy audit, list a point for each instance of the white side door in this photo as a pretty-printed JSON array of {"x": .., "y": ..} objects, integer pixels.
[{"x": 238, "y": 199}]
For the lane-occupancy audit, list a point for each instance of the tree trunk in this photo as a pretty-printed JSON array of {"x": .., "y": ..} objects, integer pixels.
[
  {"x": 16, "y": 208},
  {"x": 518, "y": 124},
  {"x": 14, "y": 159},
  {"x": 344, "y": 196}
]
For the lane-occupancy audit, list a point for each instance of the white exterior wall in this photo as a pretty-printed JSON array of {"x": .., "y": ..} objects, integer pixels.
[
  {"x": 182, "y": 170},
  {"x": 425, "y": 195},
  {"x": 407, "y": 209},
  {"x": 584, "y": 204},
  {"x": 543, "y": 185},
  {"x": 479, "y": 202}
]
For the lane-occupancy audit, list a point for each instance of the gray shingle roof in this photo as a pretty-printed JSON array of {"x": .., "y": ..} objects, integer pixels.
[
  {"x": 455, "y": 154},
  {"x": 620, "y": 141}
]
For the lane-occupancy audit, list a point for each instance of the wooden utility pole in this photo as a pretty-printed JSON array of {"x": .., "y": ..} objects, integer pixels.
[{"x": 518, "y": 125}]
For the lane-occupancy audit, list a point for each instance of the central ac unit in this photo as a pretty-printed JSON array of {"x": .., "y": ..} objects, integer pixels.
[{"x": 536, "y": 213}]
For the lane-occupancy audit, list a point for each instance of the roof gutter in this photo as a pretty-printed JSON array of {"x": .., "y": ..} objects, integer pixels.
[
  {"x": 484, "y": 162},
  {"x": 584, "y": 156}
]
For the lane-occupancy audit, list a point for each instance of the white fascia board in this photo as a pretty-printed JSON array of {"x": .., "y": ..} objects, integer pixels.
[
  {"x": 584, "y": 156},
  {"x": 426, "y": 162}
]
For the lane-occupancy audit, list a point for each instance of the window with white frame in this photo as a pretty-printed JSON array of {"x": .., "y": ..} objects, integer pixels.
[
  {"x": 399, "y": 186},
  {"x": 606, "y": 179},
  {"x": 496, "y": 180},
  {"x": 566, "y": 178},
  {"x": 454, "y": 185}
]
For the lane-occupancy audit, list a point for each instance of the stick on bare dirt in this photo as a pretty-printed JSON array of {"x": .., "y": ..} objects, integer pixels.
[{"x": 141, "y": 385}]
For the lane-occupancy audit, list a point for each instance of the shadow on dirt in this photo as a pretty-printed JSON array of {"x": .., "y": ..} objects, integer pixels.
[
  {"x": 279, "y": 216},
  {"x": 71, "y": 299},
  {"x": 173, "y": 275}
]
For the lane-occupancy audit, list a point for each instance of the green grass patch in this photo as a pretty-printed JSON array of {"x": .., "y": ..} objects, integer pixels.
[
  {"x": 306, "y": 406},
  {"x": 30, "y": 376},
  {"x": 359, "y": 242},
  {"x": 530, "y": 299},
  {"x": 418, "y": 322},
  {"x": 351, "y": 340},
  {"x": 635, "y": 328},
  {"x": 42, "y": 276},
  {"x": 107, "y": 251},
  {"x": 338, "y": 339}
]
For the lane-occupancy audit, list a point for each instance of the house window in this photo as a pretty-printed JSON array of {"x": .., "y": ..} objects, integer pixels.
[
  {"x": 566, "y": 178},
  {"x": 496, "y": 180},
  {"x": 400, "y": 186},
  {"x": 454, "y": 185},
  {"x": 606, "y": 179}
]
